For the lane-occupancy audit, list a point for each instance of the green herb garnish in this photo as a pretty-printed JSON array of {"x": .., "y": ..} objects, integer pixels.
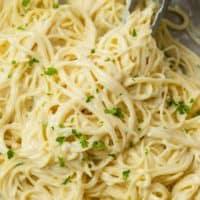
[
  {"x": 14, "y": 62},
  {"x": 61, "y": 126},
  {"x": 60, "y": 140},
  {"x": 97, "y": 90},
  {"x": 186, "y": 130},
  {"x": 67, "y": 180},
  {"x": 89, "y": 98},
  {"x": 32, "y": 61},
  {"x": 25, "y": 2},
  {"x": 19, "y": 164},
  {"x": 92, "y": 51},
  {"x": 10, "y": 75},
  {"x": 21, "y": 28},
  {"x": 117, "y": 112},
  {"x": 55, "y": 5},
  {"x": 76, "y": 133},
  {"x": 107, "y": 59},
  {"x": 72, "y": 120},
  {"x": 126, "y": 174},
  {"x": 146, "y": 151},
  {"x": 181, "y": 107},
  {"x": 139, "y": 129},
  {"x": 50, "y": 71},
  {"x": 83, "y": 140},
  {"x": 134, "y": 33},
  {"x": 10, "y": 153},
  {"x": 99, "y": 145},
  {"x": 61, "y": 161}
]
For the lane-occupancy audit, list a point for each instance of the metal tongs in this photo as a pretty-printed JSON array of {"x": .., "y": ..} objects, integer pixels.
[{"x": 130, "y": 4}]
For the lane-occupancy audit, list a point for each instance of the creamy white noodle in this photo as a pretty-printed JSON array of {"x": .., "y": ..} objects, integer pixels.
[{"x": 92, "y": 108}]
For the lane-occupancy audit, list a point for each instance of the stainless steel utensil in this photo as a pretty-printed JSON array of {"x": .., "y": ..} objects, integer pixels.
[{"x": 130, "y": 4}]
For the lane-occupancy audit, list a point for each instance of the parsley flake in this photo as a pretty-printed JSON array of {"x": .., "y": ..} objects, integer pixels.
[
  {"x": 60, "y": 140},
  {"x": 134, "y": 33},
  {"x": 50, "y": 71},
  {"x": 72, "y": 120},
  {"x": 32, "y": 61},
  {"x": 89, "y": 98},
  {"x": 14, "y": 62},
  {"x": 97, "y": 90},
  {"x": 76, "y": 133},
  {"x": 181, "y": 107},
  {"x": 98, "y": 144},
  {"x": 10, "y": 153},
  {"x": 83, "y": 141},
  {"x": 146, "y": 151},
  {"x": 25, "y": 2},
  {"x": 107, "y": 59},
  {"x": 61, "y": 161},
  {"x": 117, "y": 112},
  {"x": 21, "y": 28},
  {"x": 55, "y": 5},
  {"x": 126, "y": 174},
  {"x": 61, "y": 126},
  {"x": 67, "y": 180},
  {"x": 9, "y": 75},
  {"x": 19, "y": 164},
  {"x": 92, "y": 51}
]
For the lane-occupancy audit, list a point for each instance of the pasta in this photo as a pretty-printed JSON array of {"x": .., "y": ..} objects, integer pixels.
[{"x": 92, "y": 108}]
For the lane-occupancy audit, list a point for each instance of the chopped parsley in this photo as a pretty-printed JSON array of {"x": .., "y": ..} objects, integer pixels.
[
  {"x": 117, "y": 112},
  {"x": 25, "y": 2},
  {"x": 83, "y": 141},
  {"x": 186, "y": 130},
  {"x": 146, "y": 151},
  {"x": 134, "y": 33},
  {"x": 92, "y": 51},
  {"x": 76, "y": 133},
  {"x": 181, "y": 107},
  {"x": 97, "y": 90},
  {"x": 99, "y": 145},
  {"x": 10, "y": 75},
  {"x": 61, "y": 126},
  {"x": 89, "y": 98},
  {"x": 72, "y": 120},
  {"x": 50, "y": 71},
  {"x": 67, "y": 180},
  {"x": 101, "y": 123},
  {"x": 61, "y": 161},
  {"x": 139, "y": 129},
  {"x": 55, "y": 5},
  {"x": 191, "y": 100},
  {"x": 10, "y": 153},
  {"x": 14, "y": 62},
  {"x": 107, "y": 59},
  {"x": 126, "y": 174},
  {"x": 32, "y": 61},
  {"x": 21, "y": 28},
  {"x": 19, "y": 164},
  {"x": 60, "y": 139}
]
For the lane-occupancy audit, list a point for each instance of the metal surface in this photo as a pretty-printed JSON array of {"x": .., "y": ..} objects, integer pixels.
[
  {"x": 160, "y": 14},
  {"x": 192, "y": 8}
]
